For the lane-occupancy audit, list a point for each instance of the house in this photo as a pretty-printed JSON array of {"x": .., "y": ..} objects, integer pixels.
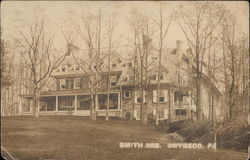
[{"x": 69, "y": 89}]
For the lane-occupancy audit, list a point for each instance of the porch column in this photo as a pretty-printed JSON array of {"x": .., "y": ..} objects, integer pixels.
[
  {"x": 119, "y": 101},
  {"x": 56, "y": 103},
  {"x": 96, "y": 102},
  {"x": 20, "y": 106},
  {"x": 75, "y": 103},
  {"x": 120, "y": 95}
]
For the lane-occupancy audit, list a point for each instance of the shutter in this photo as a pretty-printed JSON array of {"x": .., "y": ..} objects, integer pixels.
[
  {"x": 135, "y": 114},
  {"x": 144, "y": 97},
  {"x": 165, "y": 113},
  {"x": 165, "y": 95},
  {"x": 189, "y": 98},
  {"x": 135, "y": 97},
  {"x": 154, "y": 112},
  {"x": 154, "y": 96}
]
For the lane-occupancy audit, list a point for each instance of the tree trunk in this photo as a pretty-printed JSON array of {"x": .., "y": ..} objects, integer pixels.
[
  {"x": 169, "y": 107},
  {"x": 108, "y": 90},
  {"x": 198, "y": 105},
  {"x": 35, "y": 105}
]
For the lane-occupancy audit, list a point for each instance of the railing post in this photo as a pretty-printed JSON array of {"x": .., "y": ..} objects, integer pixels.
[
  {"x": 75, "y": 103},
  {"x": 56, "y": 103}
]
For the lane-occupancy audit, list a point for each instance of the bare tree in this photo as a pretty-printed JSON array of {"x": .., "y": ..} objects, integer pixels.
[
  {"x": 36, "y": 51},
  {"x": 163, "y": 26},
  {"x": 235, "y": 63},
  {"x": 197, "y": 24},
  {"x": 110, "y": 31},
  {"x": 143, "y": 60},
  {"x": 91, "y": 34}
]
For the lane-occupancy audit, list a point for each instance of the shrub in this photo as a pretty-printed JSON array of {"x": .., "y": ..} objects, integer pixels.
[{"x": 127, "y": 115}]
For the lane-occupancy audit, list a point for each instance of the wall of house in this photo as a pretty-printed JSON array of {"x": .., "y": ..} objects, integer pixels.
[{"x": 128, "y": 103}]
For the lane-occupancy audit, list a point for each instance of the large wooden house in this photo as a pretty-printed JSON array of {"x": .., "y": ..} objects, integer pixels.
[{"x": 68, "y": 92}]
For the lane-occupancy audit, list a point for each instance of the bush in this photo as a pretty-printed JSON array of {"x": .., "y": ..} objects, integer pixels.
[
  {"x": 127, "y": 115},
  {"x": 175, "y": 137},
  {"x": 178, "y": 125},
  {"x": 195, "y": 130},
  {"x": 234, "y": 135}
]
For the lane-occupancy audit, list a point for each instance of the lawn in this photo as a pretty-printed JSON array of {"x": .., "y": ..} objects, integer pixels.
[{"x": 77, "y": 138}]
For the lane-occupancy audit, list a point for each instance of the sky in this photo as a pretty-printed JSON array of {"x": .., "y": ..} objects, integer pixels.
[{"x": 61, "y": 15}]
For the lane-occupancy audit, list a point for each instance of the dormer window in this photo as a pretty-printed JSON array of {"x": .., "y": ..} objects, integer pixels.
[
  {"x": 113, "y": 80},
  {"x": 95, "y": 84},
  {"x": 77, "y": 68},
  {"x": 162, "y": 76},
  {"x": 154, "y": 77},
  {"x": 127, "y": 94},
  {"x": 114, "y": 65},
  {"x": 62, "y": 84},
  {"x": 77, "y": 83},
  {"x": 63, "y": 69},
  {"x": 127, "y": 78},
  {"x": 130, "y": 64}
]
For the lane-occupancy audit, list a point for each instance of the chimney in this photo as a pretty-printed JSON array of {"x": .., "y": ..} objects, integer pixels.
[{"x": 178, "y": 45}]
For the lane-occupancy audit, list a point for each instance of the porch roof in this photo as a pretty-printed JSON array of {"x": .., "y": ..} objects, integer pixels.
[{"x": 68, "y": 92}]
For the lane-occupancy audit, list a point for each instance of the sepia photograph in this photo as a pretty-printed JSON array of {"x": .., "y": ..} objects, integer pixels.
[{"x": 125, "y": 80}]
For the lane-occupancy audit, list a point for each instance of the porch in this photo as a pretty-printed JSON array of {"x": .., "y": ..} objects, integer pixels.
[{"x": 78, "y": 105}]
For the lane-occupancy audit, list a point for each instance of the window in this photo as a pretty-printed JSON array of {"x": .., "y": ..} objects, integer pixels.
[
  {"x": 163, "y": 113},
  {"x": 178, "y": 96},
  {"x": 70, "y": 83},
  {"x": 137, "y": 97},
  {"x": 162, "y": 76},
  {"x": 162, "y": 97},
  {"x": 77, "y": 68},
  {"x": 69, "y": 102},
  {"x": 114, "y": 65},
  {"x": 181, "y": 81},
  {"x": 154, "y": 77},
  {"x": 127, "y": 78},
  {"x": 62, "y": 84},
  {"x": 98, "y": 85},
  {"x": 77, "y": 83},
  {"x": 113, "y": 80},
  {"x": 127, "y": 94},
  {"x": 182, "y": 112},
  {"x": 63, "y": 69},
  {"x": 130, "y": 64}
]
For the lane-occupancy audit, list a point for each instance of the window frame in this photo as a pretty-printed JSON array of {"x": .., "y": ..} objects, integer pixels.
[
  {"x": 114, "y": 65},
  {"x": 111, "y": 81},
  {"x": 129, "y": 94},
  {"x": 75, "y": 80},
  {"x": 164, "y": 96},
  {"x": 77, "y": 68},
  {"x": 63, "y": 68},
  {"x": 60, "y": 84},
  {"x": 136, "y": 97}
]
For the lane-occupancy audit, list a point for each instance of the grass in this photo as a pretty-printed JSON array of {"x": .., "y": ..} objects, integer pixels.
[{"x": 73, "y": 138}]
